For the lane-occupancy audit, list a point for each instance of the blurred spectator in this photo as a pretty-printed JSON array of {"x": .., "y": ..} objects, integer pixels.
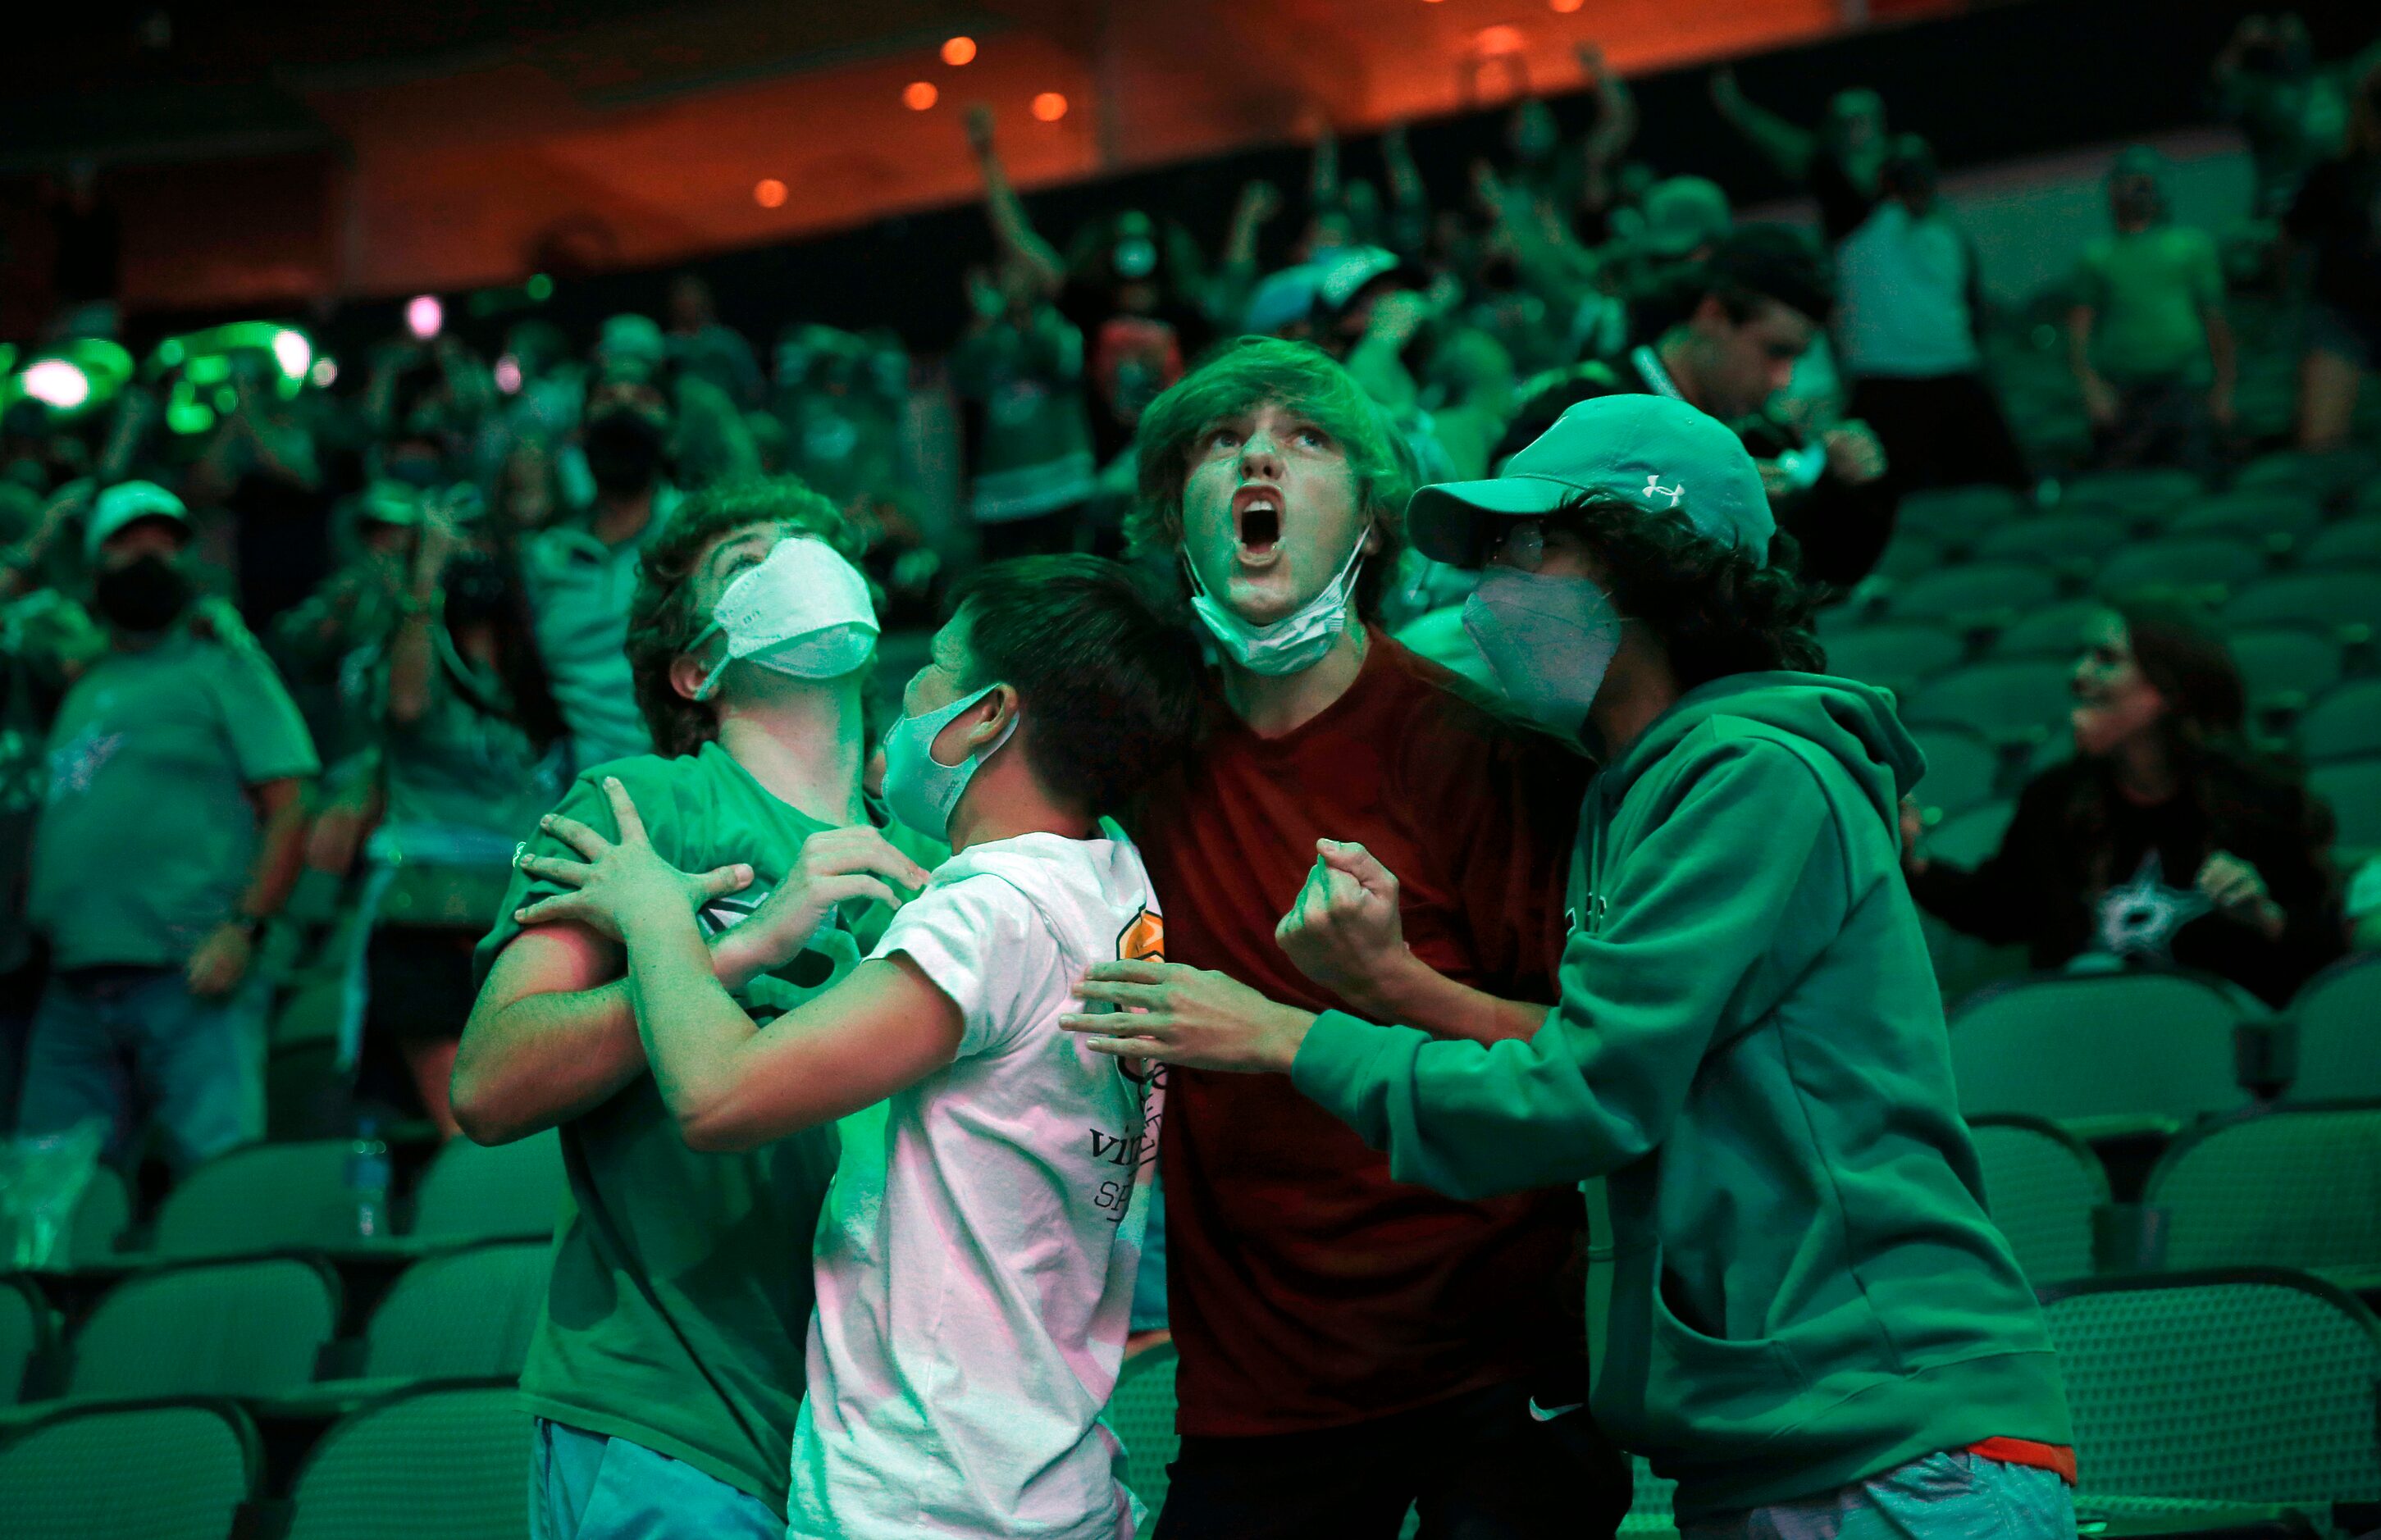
[
  {"x": 2364, "y": 908},
  {"x": 2338, "y": 212},
  {"x": 262, "y": 465},
  {"x": 2148, "y": 340},
  {"x": 2163, "y": 840},
  {"x": 1909, "y": 335},
  {"x": 702, "y": 348},
  {"x": 314, "y": 642},
  {"x": 2291, "y": 114},
  {"x": 169, "y": 835},
  {"x": 529, "y": 490},
  {"x": 1840, "y": 164}
]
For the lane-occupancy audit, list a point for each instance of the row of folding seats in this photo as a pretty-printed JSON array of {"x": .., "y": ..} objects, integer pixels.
[
  {"x": 265, "y": 1329},
  {"x": 435, "y": 1463}
]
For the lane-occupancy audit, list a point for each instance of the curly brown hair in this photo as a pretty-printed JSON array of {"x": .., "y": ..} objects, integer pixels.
[{"x": 663, "y": 620}]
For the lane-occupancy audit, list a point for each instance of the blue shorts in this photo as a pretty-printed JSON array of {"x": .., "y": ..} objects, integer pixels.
[
  {"x": 585, "y": 1486},
  {"x": 1939, "y": 1497}
]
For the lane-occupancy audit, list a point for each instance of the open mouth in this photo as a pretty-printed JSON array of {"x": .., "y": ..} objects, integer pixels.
[{"x": 1256, "y": 513}]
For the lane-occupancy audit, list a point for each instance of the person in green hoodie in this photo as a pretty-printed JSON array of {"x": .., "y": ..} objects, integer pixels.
[{"x": 1798, "y": 1308}]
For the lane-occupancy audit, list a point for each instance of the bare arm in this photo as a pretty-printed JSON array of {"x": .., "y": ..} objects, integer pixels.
[
  {"x": 2099, "y": 399},
  {"x": 1788, "y": 148},
  {"x": 280, "y": 846},
  {"x": 550, "y": 1038},
  {"x": 2223, "y": 354},
  {"x": 409, "y": 650},
  {"x": 1010, "y": 228}
]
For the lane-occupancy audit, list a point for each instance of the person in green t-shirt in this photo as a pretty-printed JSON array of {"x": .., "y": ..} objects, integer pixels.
[
  {"x": 2147, "y": 337},
  {"x": 179, "y": 730},
  {"x": 668, "y": 1365}
]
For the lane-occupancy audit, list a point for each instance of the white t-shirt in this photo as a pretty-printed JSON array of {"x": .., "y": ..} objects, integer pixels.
[{"x": 975, "y": 1266}]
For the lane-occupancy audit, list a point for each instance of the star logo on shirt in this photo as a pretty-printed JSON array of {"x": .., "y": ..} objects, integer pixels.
[
  {"x": 2138, "y": 919},
  {"x": 76, "y": 764}
]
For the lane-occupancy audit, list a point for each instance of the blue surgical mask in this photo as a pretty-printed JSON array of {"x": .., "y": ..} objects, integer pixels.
[
  {"x": 1549, "y": 641},
  {"x": 920, "y": 790}
]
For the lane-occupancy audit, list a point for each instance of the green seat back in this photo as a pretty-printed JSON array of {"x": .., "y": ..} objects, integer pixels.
[
  {"x": 1961, "y": 769},
  {"x": 2052, "y": 631},
  {"x": 2253, "y": 1388},
  {"x": 2285, "y": 667},
  {"x": 2016, "y": 701},
  {"x": 492, "y": 1192},
  {"x": 2107, "y": 1045},
  {"x": 1973, "y": 593},
  {"x": 2286, "y": 1188},
  {"x": 2136, "y": 495},
  {"x": 238, "y": 1329},
  {"x": 467, "y": 1315},
  {"x": 2352, "y": 789},
  {"x": 101, "y": 1217},
  {"x": 24, "y": 1334},
  {"x": 2061, "y": 540},
  {"x": 2345, "y": 601},
  {"x": 2320, "y": 475},
  {"x": 156, "y": 1473},
  {"x": 2040, "y": 1186},
  {"x": 2356, "y": 541},
  {"x": 442, "y": 1463},
  {"x": 1957, "y": 516},
  {"x": 1908, "y": 555},
  {"x": 2345, "y": 722},
  {"x": 2277, "y": 522},
  {"x": 2336, "y": 1015},
  {"x": 1894, "y": 655},
  {"x": 260, "y": 1197},
  {"x": 2210, "y": 565},
  {"x": 1140, "y": 1415}
]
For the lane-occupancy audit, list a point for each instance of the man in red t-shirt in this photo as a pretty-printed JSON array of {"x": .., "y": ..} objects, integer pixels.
[{"x": 1350, "y": 1346}]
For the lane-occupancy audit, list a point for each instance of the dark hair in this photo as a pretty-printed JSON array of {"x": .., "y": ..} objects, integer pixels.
[
  {"x": 486, "y": 587},
  {"x": 1714, "y": 608},
  {"x": 1753, "y": 262},
  {"x": 662, "y": 619},
  {"x": 1109, "y": 687},
  {"x": 2182, "y": 651}
]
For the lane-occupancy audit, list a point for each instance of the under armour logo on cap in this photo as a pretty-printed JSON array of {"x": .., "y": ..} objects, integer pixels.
[{"x": 1654, "y": 486}]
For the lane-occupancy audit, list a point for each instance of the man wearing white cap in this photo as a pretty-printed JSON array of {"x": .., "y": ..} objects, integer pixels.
[
  {"x": 169, "y": 835},
  {"x": 1798, "y": 1308}
]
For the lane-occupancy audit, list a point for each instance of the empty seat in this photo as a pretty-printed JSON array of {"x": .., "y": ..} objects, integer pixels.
[
  {"x": 2276, "y": 522},
  {"x": 259, "y": 1198},
  {"x": 2138, "y": 496},
  {"x": 2296, "y": 1188},
  {"x": 2209, "y": 563},
  {"x": 2285, "y": 667},
  {"x": 223, "y": 1328},
  {"x": 1906, "y": 555},
  {"x": 2242, "y": 1387},
  {"x": 2344, "y": 723},
  {"x": 2356, "y": 542},
  {"x": 1977, "y": 594},
  {"x": 2051, "y": 632},
  {"x": 2352, "y": 788},
  {"x": 491, "y": 1193},
  {"x": 150, "y": 1472},
  {"x": 440, "y": 1463},
  {"x": 24, "y": 1335},
  {"x": 2336, "y": 1018},
  {"x": 2345, "y": 602},
  {"x": 2068, "y": 542},
  {"x": 1957, "y": 516},
  {"x": 1967, "y": 838},
  {"x": 2016, "y": 701},
  {"x": 2041, "y": 1187},
  {"x": 1140, "y": 1415},
  {"x": 2320, "y": 475},
  {"x": 1960, "y": 770},
  {"x": 1894, "y": 655},
  {"x": 2130, "y": 1048},
  {"x": 466, "y": 1314}
]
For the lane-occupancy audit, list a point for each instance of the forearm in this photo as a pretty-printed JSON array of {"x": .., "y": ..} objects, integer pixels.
[
  {"x": 1413, "y": 993},
  {"x": 2223, "y": 355},
  {"x": 544, "y": 1059},
  {"x": 693, "y": 1031},
  {"x": 280, "y": 850},
  {"x": 1012, "y": 229},
  {"x": 409, "y": 667},
  {"x": 2078, "y": 347}
]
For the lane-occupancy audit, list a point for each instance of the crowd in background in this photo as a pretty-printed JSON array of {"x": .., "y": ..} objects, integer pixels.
[{"x": 364, "y": 636}]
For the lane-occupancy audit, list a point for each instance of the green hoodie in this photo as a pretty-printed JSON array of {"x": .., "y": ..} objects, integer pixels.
[{"x": 1805, "y": 1290}]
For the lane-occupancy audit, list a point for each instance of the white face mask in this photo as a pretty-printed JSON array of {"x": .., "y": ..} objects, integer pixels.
[
  {"x": 1549, "y": 641},
  {"x": 920, "y": 790},
  {"x": 1298, "y": 639},
  {"x": 803, "y": 611}
]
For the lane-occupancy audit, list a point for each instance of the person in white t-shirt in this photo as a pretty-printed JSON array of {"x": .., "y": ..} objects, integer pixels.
[{"x": 975, "y": 1268}]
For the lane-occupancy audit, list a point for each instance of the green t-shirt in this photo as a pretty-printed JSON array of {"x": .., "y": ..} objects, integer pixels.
[
  {"x": 680, "y": 1299},
  {"x": 467, "y": 761},
  {"x": 147, "y": 833},
  {"x": 2150, "y": 291}
]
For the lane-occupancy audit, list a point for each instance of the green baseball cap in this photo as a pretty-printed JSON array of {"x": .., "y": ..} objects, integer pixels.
[
  {"x": 1647, "y": 451},
  {"x": 129, "y": 503}
]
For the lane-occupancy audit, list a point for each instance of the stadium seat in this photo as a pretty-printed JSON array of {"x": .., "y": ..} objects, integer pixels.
[
  {"x": 25, "y": 1335},
  {"x": 2349, "y": 544},
  {"x": 2244, "y": 1386},
  {"x": 1894, "y": 654},
  {"x": 441, "y": 1463},
  {"x": 1976, "y": 595},
  {"x": 261, "y": 1198},
  {"x": 2014, "y": 702},
  {"x": 2100, "y": 1051},
  {"x": 223, "y": 1328},
  {"x": 2344, "y": 723},
  {"x": 491, "y": 1193},
  {"x": 2277, "y": 522},
  {"x": 101, "y": 1217},
  {"x": 2337, "y": 1023},
  {"x": 1140, "y": 1415},
  {"x": 2352, "y": 788},
  {"x": 2320, "y": 475},
  {"x": 1906, "y": 555},
  {"x": 1960, "y": 770},
  {"x": 1955, "y": 517},
  {"x": 2041, "y": 1187},
  {"x": 2068, "y": 543},
  {"x": 1967, "y": 838},
  {"x": 1962, "y": 963},
  {"x": 2055, "y": 631},
  {"x": 2346, "y": 601},
  {"x": 2136, "y": 496},
  {"x": 461, "y": 1316},
  {"x": 2285, "y": 667},
  {"x": 2293, "y": 1188},
  {"x": 150, "y": 1472},
  {"x": 2213, "y": 565}
]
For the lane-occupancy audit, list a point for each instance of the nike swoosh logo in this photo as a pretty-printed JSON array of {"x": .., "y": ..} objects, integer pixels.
[{"x": 1546, "y": 1414}]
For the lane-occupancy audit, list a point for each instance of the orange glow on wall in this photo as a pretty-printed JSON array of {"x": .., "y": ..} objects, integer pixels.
[
  {"x": 959, "y": 51},
  {"x": 1564, "y": 7},
  {"x": 1049, "y": 107},
  {"x": 918, "y": 95},
  {"x": 1499, "y": 39},
  {"x": 769, "y": 192}
]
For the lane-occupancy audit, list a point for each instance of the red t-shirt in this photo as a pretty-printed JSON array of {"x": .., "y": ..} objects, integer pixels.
[{"x": 1307, "y": 1289}]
